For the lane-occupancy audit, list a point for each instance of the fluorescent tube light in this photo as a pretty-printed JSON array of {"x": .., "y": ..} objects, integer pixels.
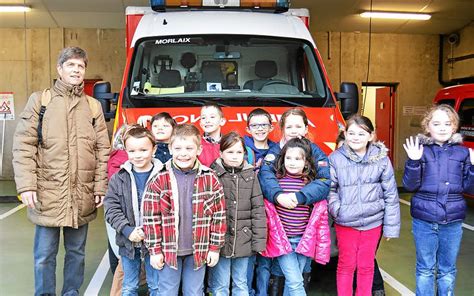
[
  {"x": 396, "y": 15},
  {"x": 14, "y": 8}
]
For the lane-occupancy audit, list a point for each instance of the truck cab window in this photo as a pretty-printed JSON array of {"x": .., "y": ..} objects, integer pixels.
[
  {"x": 466, "y": 115},
  {"x": 236, "y": 69}
]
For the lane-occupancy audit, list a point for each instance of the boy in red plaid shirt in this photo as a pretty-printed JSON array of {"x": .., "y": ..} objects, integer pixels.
[{"x": 184, "y": 217}]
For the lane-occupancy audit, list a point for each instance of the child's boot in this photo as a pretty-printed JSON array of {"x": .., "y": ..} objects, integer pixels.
[
  {"x": 276, "y": 285},
  {"x": 306, "y": 281}
]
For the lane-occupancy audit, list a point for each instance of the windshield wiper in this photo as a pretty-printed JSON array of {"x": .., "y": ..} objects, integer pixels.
[
  {"x": 273, "y": 99},
  {"x": 174, "y": 99}
]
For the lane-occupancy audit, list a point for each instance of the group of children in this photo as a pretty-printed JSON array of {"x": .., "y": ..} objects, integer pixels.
[{"x": 248, "y": 210}]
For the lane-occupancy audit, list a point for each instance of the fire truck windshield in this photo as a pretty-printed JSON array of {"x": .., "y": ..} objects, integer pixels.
[{"x": 236, "y": 70}]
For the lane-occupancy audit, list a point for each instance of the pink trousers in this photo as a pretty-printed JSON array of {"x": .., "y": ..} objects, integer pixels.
[{"x": 356, "y": 251}]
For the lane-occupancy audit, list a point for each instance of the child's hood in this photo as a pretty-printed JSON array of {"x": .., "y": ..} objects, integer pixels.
[
  {"x": 218, "y": 167},
  {"x": 169, "y": 166},
  {"x": 157, "y": 166},
  {"x": 162, "y": 145},
  {"x": 426, "y": 140},
  {"x": 375, "y": 152},
  {"x": 249, "y": 141}
]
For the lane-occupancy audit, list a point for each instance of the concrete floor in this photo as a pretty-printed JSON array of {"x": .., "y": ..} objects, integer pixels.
[{"x": 396, "y": 258}]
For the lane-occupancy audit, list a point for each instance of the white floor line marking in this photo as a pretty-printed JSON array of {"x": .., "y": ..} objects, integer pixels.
[
  {"x": 405, "y": 202},
  {"x": 100, "y": 274},
  {"x": 467, "y": 226},
  {"x": 403, "y": 290},
  {"x": 12, "y": 211}
]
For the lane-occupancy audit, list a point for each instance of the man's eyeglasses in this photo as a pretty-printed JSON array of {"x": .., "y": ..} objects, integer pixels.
[{"x": 257, "y": 126}]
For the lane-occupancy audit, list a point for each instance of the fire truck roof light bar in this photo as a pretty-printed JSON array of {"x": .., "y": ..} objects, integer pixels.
[{"x": 268, "y": 5}]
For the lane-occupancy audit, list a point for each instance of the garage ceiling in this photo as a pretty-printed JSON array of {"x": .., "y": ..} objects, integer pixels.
[{"x": 326, "y": 15}]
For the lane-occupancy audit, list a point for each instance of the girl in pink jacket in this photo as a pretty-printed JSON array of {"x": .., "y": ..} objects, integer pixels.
[{"x": 296, "y": 231}]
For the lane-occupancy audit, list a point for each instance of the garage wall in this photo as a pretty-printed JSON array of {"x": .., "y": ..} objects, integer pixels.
[
  {"x": 465, "y": 46},
  {"x": 410, "y": 60},
  {"x": 28, "y": 63}
]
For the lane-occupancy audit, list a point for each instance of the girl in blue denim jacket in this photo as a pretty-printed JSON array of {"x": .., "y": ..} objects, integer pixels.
[{"x": 439, "y": 171}]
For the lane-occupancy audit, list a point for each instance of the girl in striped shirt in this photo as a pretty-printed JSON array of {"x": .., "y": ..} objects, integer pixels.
[
  {"x": 294, "y": 168},
  {"x": 297, "y": 231}
]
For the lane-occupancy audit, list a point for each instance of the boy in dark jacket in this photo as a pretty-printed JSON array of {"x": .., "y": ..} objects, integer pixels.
[
  {"x": 123, "y": 207},
  {"x": 162, "y": 126},
  {"x": 259, "y": 126},
  {"x": 257, "y": 145}
]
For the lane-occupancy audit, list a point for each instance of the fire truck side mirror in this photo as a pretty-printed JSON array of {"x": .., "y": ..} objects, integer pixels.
[
  {"x": 349, "y": 98},
  {"x": 106, "y": 98}
]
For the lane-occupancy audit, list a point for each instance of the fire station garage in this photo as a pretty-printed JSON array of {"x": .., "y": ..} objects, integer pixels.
[{"x": 389, "y": 61}]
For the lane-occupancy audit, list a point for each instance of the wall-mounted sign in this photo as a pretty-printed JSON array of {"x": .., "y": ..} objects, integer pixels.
[
  {"x": 7, "y": 106},
  {"x": 414, "y": 110}
]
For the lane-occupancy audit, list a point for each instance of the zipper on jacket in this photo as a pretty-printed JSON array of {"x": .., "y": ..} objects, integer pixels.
[
  {"x": 359, "y": 192},
  {"x": 173, "y": 181},
  {"x": 70, "y": 205},
  {"x": 236, "y": 213}
]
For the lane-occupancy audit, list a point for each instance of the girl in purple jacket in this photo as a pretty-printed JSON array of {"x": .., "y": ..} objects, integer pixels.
[
  {"x": 439, "y": 170},
  {"x": 363, "y": 202},
  {"x": 296, "y": 232}
]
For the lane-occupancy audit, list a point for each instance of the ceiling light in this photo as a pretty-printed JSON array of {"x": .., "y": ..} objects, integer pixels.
[
  {"x": 14, "y": 8},
  {"x": 396, "y": 15}
]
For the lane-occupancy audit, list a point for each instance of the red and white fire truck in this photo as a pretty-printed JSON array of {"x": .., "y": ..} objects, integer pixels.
[
  {"x": 461, "y": 98},
  {"x": 238, "y": 54}
]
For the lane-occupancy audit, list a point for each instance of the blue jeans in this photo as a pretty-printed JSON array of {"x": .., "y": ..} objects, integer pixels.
[
  {"x": 193, "y": 280},
  {"x": 292, "y": 266},
  {"x": 307, "y": 268},
  {"x": 131, "y": 275},
  {"x": 276, "y": 271},
  {"x": 437, "y": 247},
  {"x": 262, "y": 272},
  {"x": 220, "y": 275},
  {"x": 45, "y": 251},
  {"x": 250, "y": 273}
]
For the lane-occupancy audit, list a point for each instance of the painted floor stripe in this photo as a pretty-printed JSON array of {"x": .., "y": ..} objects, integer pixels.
[
  {"x": 467, "y": 226},
  {"x": 405, "y": 202},
  {"x": 98, "y": 279},
  {"x": 12, "y": 211},
  {"x": 404, "y": 291}
]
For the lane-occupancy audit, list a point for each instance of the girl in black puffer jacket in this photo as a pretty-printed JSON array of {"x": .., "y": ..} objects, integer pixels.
[{"x": 245, "y": 213}]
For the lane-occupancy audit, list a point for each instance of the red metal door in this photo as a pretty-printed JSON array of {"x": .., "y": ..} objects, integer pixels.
[{"x": 384, "y": 117}]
